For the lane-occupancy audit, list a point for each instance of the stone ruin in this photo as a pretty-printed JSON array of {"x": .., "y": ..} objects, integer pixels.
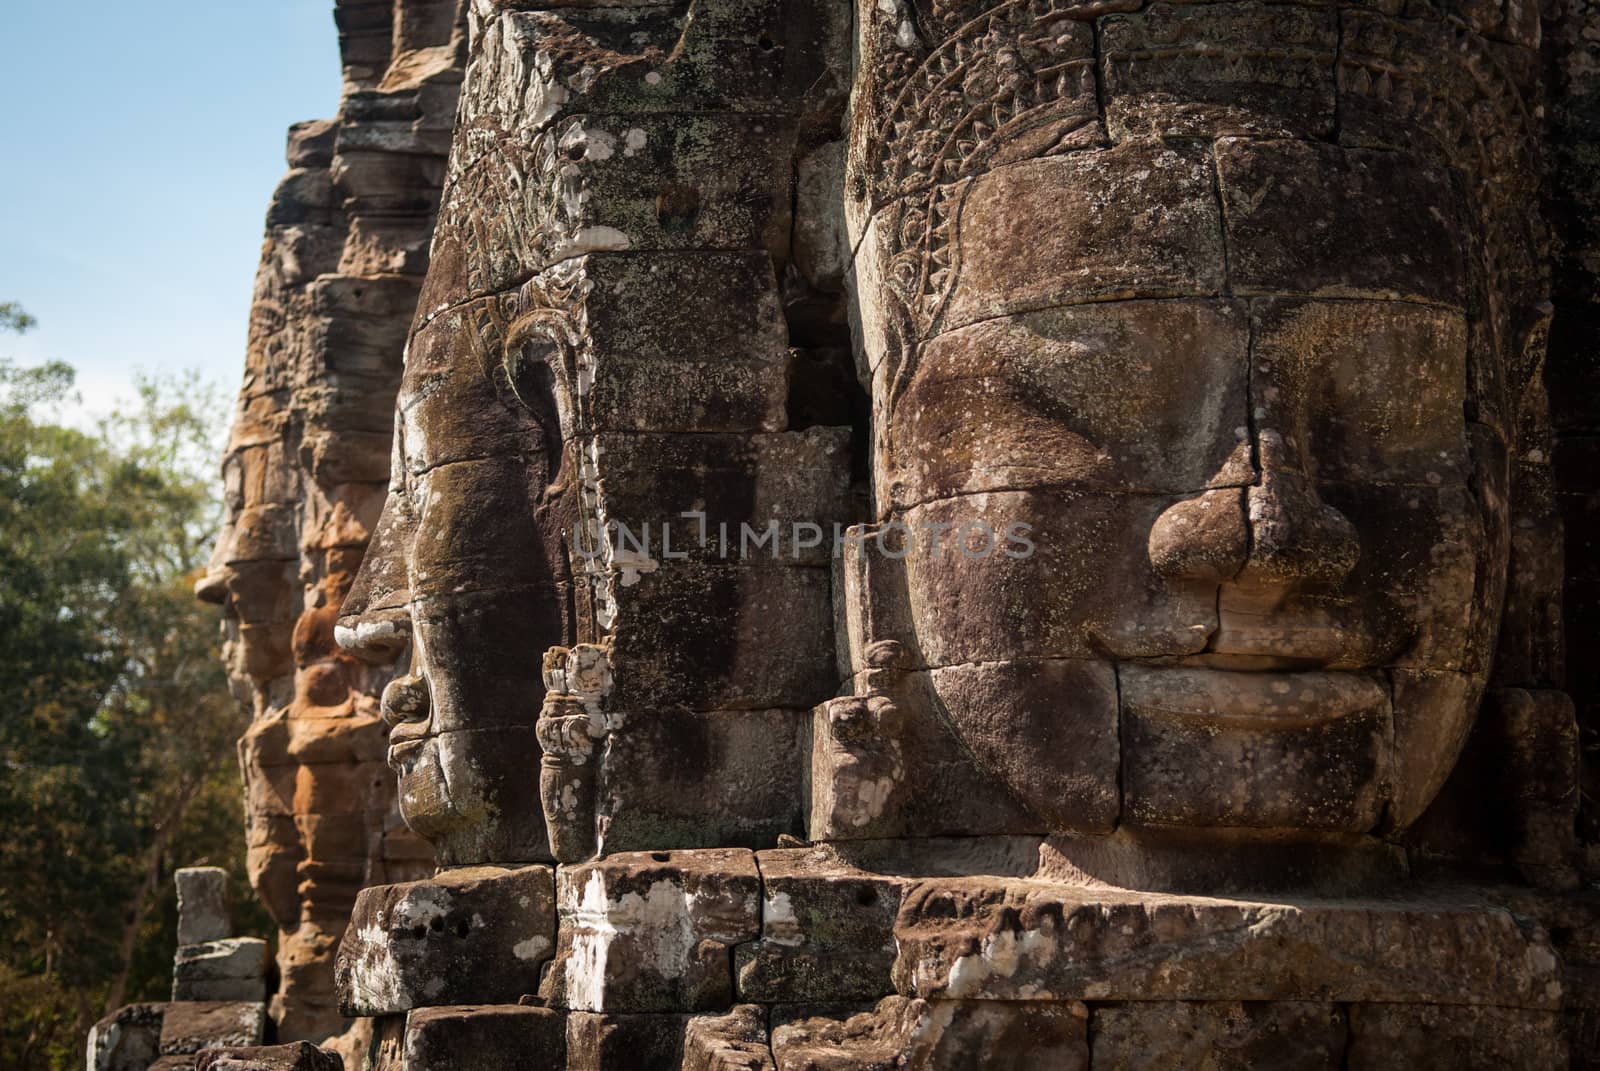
[{"x": 932, "y": 534}]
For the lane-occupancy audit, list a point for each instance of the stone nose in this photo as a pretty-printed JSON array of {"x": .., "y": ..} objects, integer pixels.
[
  {"x": 375, "y": 620},
  {"x": 1294, "y": 536},
  {"x": 1202, "y": 538},
  {"x": 212, "y": 586},
  {"x": 1277, "y": 531},
  {"x": 406, "y": 699}
]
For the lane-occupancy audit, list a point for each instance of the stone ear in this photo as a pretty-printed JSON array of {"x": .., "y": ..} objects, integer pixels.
[
  {"x": 872, "y": 620},
  {"x": 1527, "y": 371}
]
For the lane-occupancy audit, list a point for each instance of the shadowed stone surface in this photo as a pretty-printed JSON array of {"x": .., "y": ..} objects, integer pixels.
[
  {"x": 190, "y": 1026},
  {"x": 1225, "y": 1036},
  {"x": 301, "y": 1056},
  {"x": 205, "y": 910},
  {"x": 129, "y": 1039},
  {"x": 494, "y": 1038}
]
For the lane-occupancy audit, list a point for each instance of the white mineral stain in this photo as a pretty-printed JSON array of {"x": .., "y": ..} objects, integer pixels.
[
  {"x": 779, "y": 924},
  {"x": 533, "y": 948},
  {"x": 657, "y": 922},
  {"x": 374, "y": 975},
  {"x": 1000, "y": 955}
]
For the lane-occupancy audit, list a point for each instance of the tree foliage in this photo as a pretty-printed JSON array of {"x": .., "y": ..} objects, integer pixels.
[{"x": 117, "y": 729}]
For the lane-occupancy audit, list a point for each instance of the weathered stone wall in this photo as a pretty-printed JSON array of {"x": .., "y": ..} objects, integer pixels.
[
  {"x": 345, "y": 251},
  {"x": 1573, "y": 367}
]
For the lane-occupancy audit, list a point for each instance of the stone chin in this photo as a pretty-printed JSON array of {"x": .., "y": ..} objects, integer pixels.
[
  {"x": 438, "y": 790},
  {"x": 1090, "y": 746},
  {"x": 471, "y": 795}
]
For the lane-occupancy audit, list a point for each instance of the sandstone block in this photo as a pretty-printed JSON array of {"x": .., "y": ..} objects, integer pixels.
[
  {"x": 386, "y": 1051},
  {"x": 875, "y": 1040},
  {"x": 467, "y": 793},
  {"x": 736, "y": 1041},
  {"x": 821, "y": 247},
  {"x": 941, "y": 790},
  {"x": 1012, "y": 713},
  {"x": 678, "y": 625},
  {"x": 1323, "y": 363},
  {"x": 1058, "y": 410},
  {"x": 230, "y": 970},
  {"x": 485, "y": 1038},
  {"x": 1102, "y": 244},
  {"x": 675, "y": 779},
  {"x": 1047, "y": 589},
  {"x": 983, "y": 939},
  {"x": 190, "y": 1026},
  {"x": 311, "y": 143},
  {"x": 827, "y": 930},
  {"x": 473, "y": 934},
  {"x": 625, "y": 1042},
  {"x": 941, "y": 1036},
  {"x": 204, "y": 905},
  {"x": 1186, "y": 763},
  {"x": 759, "y": 57},
  {"x": 1428, "y": 1037},
  {"x": 828, "y": 912},
  {"x": 1524, "y": 744},
  {"x": 1228, "y": 1036},
  {"x": 1357, "y": 233},
  {"x": 789, "y": 477},
  {"x": 1222, "y": 862},
  {"x": 126, "y": 1040},
  {"x": 652, "y": 931},
  {"x": 300, "y": 1056},
  {"x": 1380, "y": 51},
  {"x": 687, "y": 342},
  {"x": 647, "y": 182}
]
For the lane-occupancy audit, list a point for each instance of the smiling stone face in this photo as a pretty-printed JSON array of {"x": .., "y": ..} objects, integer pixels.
[
  {"x": 1239, "y": 387},
  {"x": 1252, "y": 512},
  {"x": 599, "y": 353},
  {"x": 470, "y": 566}
]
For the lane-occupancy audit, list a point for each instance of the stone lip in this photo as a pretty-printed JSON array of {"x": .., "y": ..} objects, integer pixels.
[{"x": 985, "y": 939}]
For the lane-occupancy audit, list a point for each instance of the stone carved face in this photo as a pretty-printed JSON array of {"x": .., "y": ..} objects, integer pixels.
[
  {"x": 1259, "y": 556},
  {"x": 603, "y": 297},
  {"x": 468, "y": 565},
  {"x": 1230, "y": 384}
]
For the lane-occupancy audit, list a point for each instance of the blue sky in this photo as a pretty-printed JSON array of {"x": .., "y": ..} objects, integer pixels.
[{"x": 141, "y": 142}]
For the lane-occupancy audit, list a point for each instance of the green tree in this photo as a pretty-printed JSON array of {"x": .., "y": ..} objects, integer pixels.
[
  {"x": 117, "y": 732},
  {"x": 13, "y": 318}
]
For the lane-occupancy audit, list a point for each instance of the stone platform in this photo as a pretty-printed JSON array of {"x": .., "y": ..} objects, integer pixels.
[{"x": 955, "y": 955}]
